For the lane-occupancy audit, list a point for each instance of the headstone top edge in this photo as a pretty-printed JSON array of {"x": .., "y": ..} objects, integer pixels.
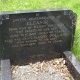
[{"x": 32, "y": 10}]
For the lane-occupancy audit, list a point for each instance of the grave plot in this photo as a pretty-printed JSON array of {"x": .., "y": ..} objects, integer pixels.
[
  {"x": 38, "y": 37},
  {"x": 45, "y": 70}
]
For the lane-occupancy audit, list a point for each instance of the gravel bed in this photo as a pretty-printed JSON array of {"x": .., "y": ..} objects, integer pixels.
[{"x": 45, "y": 70}]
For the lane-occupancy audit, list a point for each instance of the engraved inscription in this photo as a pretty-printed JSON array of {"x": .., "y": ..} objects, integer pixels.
[
  {"x": 36, "y": 31},
  {"x": 19, "y": 20}
]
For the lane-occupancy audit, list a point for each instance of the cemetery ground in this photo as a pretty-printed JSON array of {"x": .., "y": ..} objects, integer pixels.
[{"x": 9, "y": 5}]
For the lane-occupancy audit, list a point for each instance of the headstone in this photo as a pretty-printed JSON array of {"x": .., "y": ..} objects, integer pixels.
[{"x": 36, "y": 33}]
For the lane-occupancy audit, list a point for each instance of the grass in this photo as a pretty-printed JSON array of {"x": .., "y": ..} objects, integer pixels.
[{"x": 9, "y": 5}]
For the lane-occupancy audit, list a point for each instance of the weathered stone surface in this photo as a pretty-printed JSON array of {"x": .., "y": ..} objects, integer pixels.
[
  {"x": 0, "y": 69},
  {"x": 5, "y": 70}
]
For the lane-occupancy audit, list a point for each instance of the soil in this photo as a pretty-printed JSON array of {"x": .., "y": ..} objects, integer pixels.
[{"x": 45, "y": 70}]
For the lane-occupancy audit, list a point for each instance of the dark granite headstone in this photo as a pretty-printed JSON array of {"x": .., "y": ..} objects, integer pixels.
[{"x": 36, "y": 33}]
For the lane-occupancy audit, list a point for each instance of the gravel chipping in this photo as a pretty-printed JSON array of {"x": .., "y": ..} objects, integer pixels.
[{"x": 45, "y": 70}]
